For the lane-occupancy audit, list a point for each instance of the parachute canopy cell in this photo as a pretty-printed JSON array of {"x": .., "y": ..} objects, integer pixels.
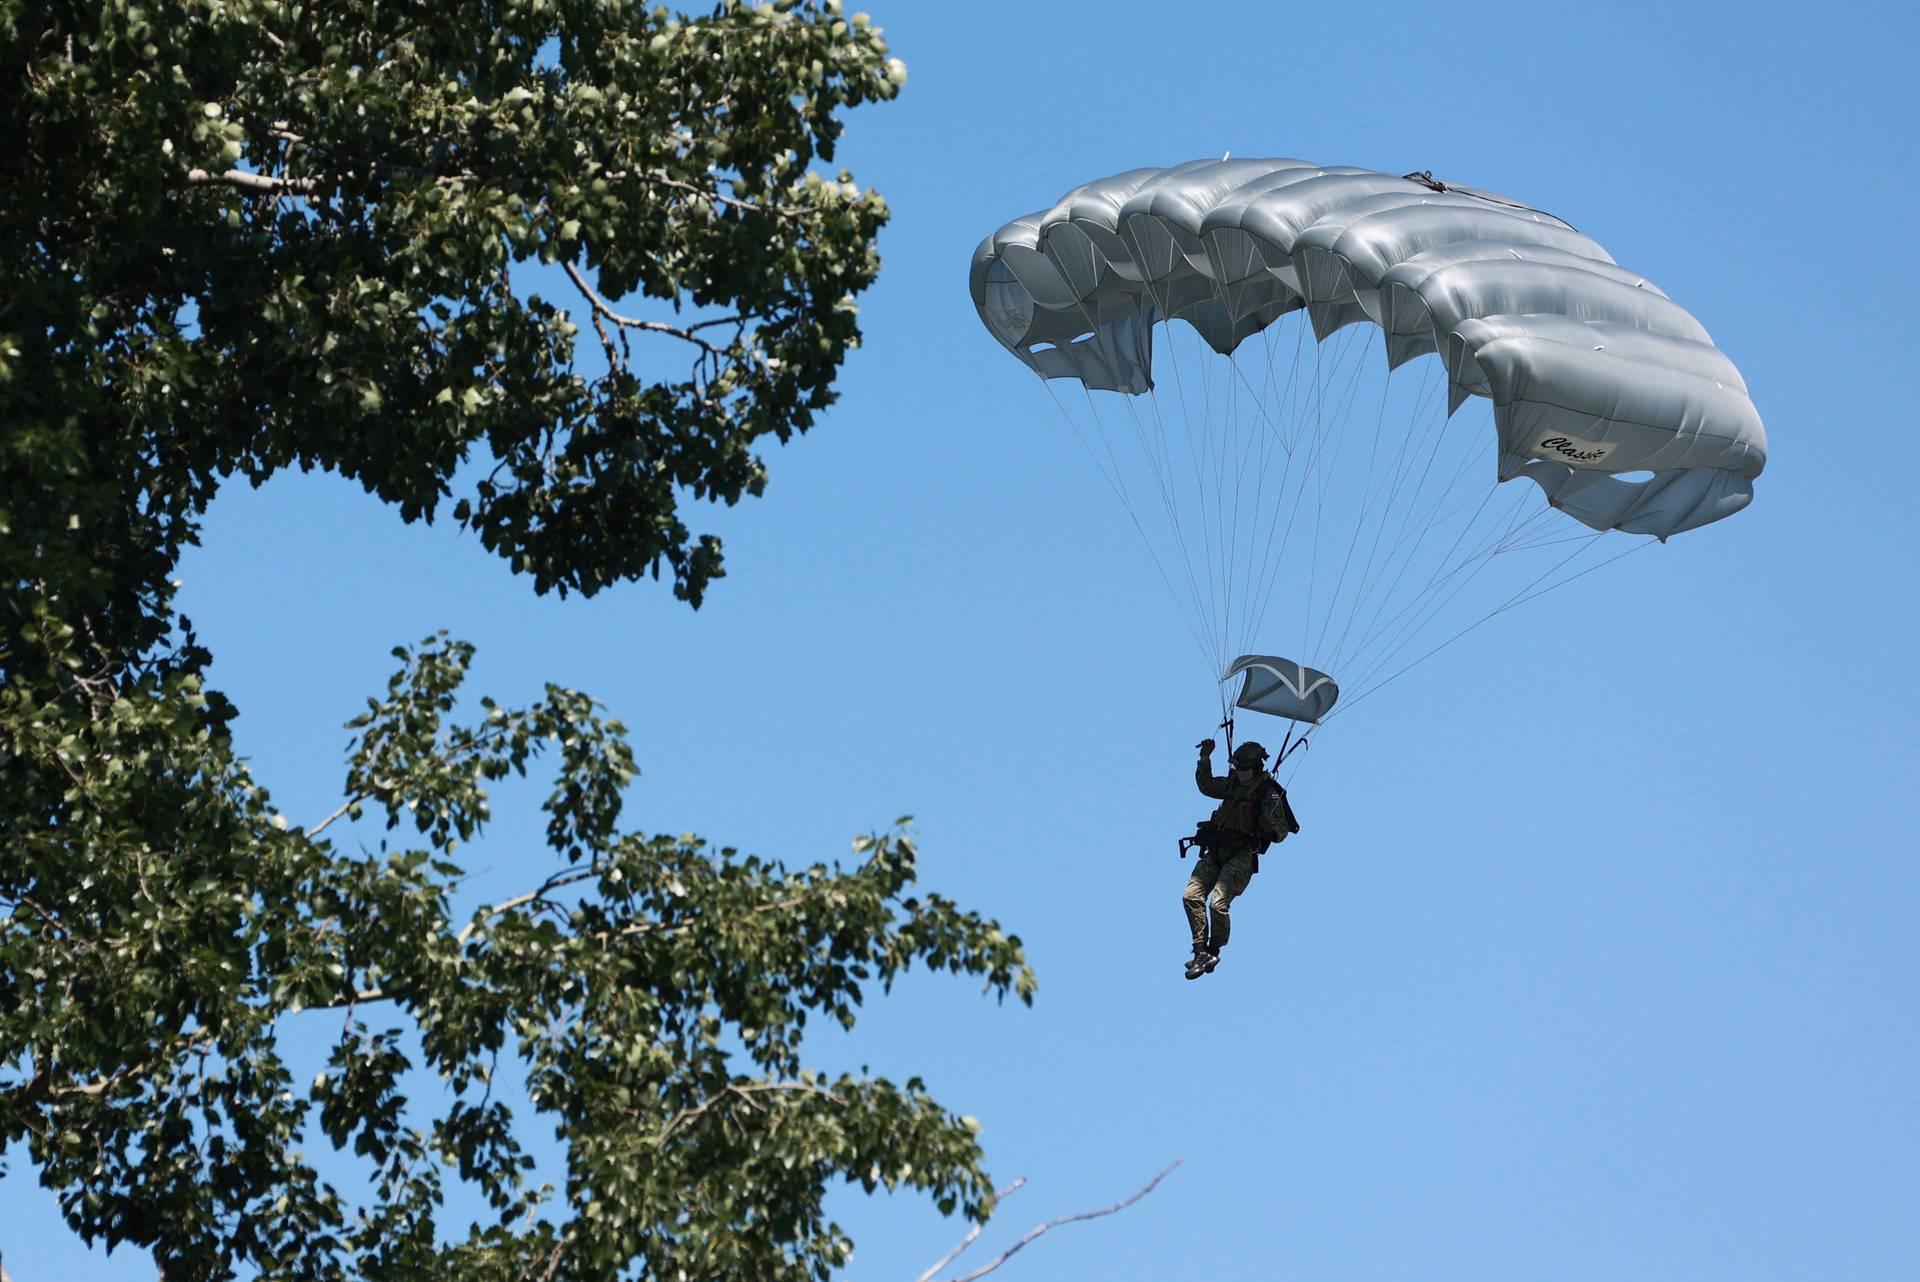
[
  {"x": 1282, "y": 688},
  {"x": 1593, "y": 371}
]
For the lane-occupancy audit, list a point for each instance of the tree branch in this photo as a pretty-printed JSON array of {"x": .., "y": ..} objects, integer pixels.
[
  {"x": 602, "y": 307},
  {"x": 972, "y": 1234},
  {"x": 552, "y": 883},
  {"x": 1040, "y": 1229},
  {"x": 245, "y": 181},
  {"x": 97, "y": 1089},
  {"x": 745, "y": 1091},
  {"x": 791, "y": 213}
]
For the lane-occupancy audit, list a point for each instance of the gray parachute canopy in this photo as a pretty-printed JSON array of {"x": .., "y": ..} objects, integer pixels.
[
  {"x": 1593, "y": 372},
  {"x": 1283, "y": 688}
]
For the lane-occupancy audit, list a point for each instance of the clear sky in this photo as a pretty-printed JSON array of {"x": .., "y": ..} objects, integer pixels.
[{"x": 1598, "y": 957}]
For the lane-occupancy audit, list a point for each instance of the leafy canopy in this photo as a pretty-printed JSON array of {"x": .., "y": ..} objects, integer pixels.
[{"x": 245, "y": 235}]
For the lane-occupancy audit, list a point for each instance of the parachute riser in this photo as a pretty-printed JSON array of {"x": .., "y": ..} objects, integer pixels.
[{"x": 1288, "y": 747}]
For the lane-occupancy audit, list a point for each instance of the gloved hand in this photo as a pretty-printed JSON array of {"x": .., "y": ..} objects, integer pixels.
[{"x": 1206, "y": 747}]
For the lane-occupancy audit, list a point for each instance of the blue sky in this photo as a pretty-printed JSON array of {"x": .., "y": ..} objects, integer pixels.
[{"x": 1599, "y": 954}]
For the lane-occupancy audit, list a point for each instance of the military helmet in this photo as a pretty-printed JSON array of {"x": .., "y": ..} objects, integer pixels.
[{"x": 1249, "y": 754}]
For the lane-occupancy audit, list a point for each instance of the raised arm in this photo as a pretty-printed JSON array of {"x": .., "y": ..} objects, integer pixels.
[{"x": 1209, "y": 783}]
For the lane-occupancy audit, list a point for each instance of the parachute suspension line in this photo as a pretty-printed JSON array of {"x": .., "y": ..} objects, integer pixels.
[
  {"x": 1170, "y": 506},
  {"x": 1365, "y": 505},
  {"x": 1397, "y": 507},
  {"x": 1433, "y": 598},
  {"x": 1336, "y": 435},
  {"x": 1260, "y": 585},
  {"x": 1518, "y": 599},
  {"x": 1252, "y": 438},
  {"x": 1447, "y": 560},
  {"x": 1411, "y": 537},
  {"x": 1219, "y": 445},
  {"x": 1194, "y": 453},
  {"x": 1260, "y": 443},
  {"x": 1372, "y": 629},
  {"x": 1233, "y": 464},
  {"x": 1407, "y": 511},
  {"x": 1116, "y": 483},
  {"x": 1227, "y": 477},
  {"x": 1276, "y": 559},
  {"x": 1196, "y": 457},
  {"x": 1342, "y": 417},
  {"x": 1200, "y": 619},
  {"x": 1264, "y": 442},
  {"x": 1365, "y": 583},
  {"x": 1310, "y": 400},
  {"x": 1238, "y": 425},
  {"x": 1319, "y": 491}
]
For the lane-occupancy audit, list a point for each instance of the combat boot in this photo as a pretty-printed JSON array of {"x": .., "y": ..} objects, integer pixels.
[{"x": 1202, "y": 964}]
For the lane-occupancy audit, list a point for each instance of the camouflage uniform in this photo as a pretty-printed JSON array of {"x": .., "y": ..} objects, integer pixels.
[{"x": 1251, "y": 816}]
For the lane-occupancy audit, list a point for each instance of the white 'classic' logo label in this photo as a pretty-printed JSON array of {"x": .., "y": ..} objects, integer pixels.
[{"x": 1571, "y": 449}]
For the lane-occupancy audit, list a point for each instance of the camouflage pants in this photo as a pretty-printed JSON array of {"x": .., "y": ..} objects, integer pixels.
[{"x": 1218, "y": 878}]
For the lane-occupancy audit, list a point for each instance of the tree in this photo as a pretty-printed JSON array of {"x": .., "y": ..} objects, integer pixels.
[{"x": 245, "y": 235}]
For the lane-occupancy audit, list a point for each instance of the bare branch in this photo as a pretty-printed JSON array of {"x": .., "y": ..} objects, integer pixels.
[
  {"x": 972, "y": 1234},
  {"x": 745, "y": 1091},
  {"x": 553, "y": 883},
  {"x": 602, "y": 307},
  {"x": 245, "y": 181},
  {"x": 791, "y": 213},
  {"x": 456, "y": 751},
  {"x": 1040, "y": 1229},
  {"x": 345, "y": 806},
  {"x": 97, "y": 1089}
]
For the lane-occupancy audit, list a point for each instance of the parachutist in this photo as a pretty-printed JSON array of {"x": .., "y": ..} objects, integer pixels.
[{"x": 1253, "y": 815}]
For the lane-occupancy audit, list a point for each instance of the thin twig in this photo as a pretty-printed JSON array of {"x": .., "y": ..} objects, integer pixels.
[
  {"x": 972, "y": 1234},
  {"x": 98, "y": 1088},
  {"x": 792, "y": 213},
  {"x": 1040, "y": 1229},
  {"x": 345, "y": 806},
  {"x": 553, "y": 883},
  {"x": 745, "y": 1091},
  {"x": 604, "y": 308},
  {"x": 264, "y": 183}
]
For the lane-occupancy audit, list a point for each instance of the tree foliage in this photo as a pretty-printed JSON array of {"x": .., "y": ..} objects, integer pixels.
[
  {"x": 245, "y": 235},
  {"x": 148, "y": 1006}
]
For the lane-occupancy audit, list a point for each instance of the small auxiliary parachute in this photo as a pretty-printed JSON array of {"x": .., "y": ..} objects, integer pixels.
[
  {"x": 1282, "y": 688},
  {"x": 1270, "y": 470}
]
